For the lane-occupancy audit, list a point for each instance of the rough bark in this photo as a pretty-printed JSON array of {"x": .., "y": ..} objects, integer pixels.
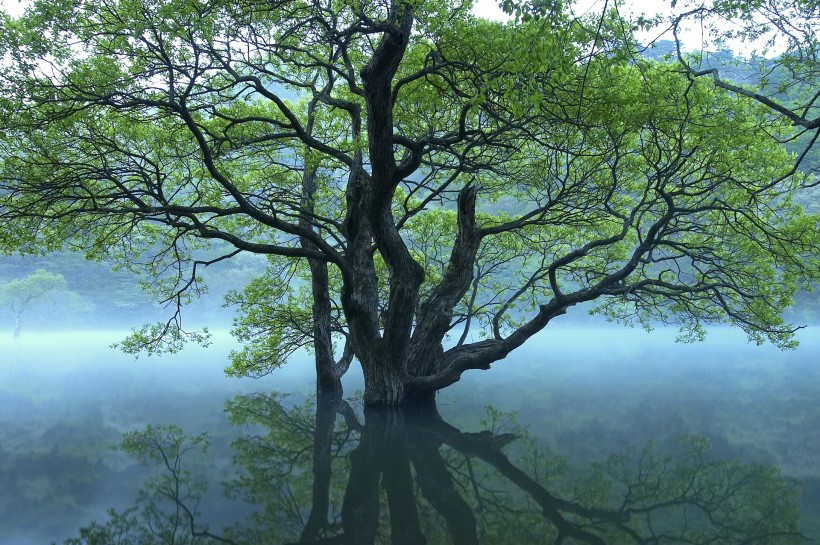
[
  {"x": 436, "y": 312},
  {"x": 328, "y": 379},
  {"x": 380, "y": 339},
  {"x": 359, "y": 294}
]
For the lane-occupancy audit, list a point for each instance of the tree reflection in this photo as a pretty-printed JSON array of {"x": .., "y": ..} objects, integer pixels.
[{"x": 320, "y": 472}]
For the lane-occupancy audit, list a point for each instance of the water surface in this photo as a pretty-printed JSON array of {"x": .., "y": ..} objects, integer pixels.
[{"x": 582, "y": 394}]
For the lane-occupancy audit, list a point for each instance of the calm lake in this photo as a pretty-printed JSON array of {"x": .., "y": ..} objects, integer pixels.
[{"x": 522, "y": 453}]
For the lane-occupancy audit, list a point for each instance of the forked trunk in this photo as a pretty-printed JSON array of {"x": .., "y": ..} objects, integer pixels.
[{"x": 389, "y": 385}]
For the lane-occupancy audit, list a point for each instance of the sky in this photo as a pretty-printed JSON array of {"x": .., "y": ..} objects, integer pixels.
[{"x": 693, "y": 38}]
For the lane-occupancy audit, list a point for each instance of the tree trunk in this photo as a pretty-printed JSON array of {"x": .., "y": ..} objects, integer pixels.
[
  {"x": 387, "y": 383},
  {"x": 328, "y": 377},
  {"x": 380, "y": 334},
  {"x": 384, "y": 383},
  {"x": 329, "y": 386}
]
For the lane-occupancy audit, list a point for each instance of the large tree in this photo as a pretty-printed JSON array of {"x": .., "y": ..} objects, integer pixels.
[{"x": 432, "y": 188}]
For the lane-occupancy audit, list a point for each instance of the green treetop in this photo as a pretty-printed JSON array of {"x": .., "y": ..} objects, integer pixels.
[{"x": 781, "y": 43}]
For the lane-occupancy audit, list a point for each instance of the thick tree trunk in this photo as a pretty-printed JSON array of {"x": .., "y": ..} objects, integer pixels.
[
  {"x": 384, "y": 384},
  {"x": 380, "y": 334},
  {"x": 329, "y": 386},
  {"x": 388, "y": 383}
]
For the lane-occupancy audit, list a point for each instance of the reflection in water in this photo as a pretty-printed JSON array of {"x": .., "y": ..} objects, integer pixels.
[{"x": 322, "y": 473}]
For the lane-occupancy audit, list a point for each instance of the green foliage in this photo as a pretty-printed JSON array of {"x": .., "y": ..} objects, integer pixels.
[
  {"x": 161, "y": 338},
  {"x": 274, "y": 319},
  {"x": 777, "y": 68},
  {"x": 501, "y": 174},
  {"x": 120, "y": 303},
  {"x": 22, "y": 293},
  {"x": 38, "y": 291}
]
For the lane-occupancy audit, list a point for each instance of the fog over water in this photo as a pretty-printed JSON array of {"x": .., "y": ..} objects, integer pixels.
[{"x": 583, "y": 392}]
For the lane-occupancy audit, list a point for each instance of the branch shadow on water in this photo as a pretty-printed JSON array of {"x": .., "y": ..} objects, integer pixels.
[{"x": 323, "y": 472}]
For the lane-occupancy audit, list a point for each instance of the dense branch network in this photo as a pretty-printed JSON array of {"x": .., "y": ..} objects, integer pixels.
[
  {"x": 445, "y": 185},
  {"x": 782, "y": 37}
]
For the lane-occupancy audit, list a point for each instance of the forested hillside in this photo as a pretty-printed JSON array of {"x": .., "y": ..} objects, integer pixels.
[{"x": 97, "y": 297}]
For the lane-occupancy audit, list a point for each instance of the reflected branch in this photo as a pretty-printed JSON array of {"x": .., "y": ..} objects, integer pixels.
[
  {"x": 318, "y": 473},
  {"x": 436, "y": 483}
]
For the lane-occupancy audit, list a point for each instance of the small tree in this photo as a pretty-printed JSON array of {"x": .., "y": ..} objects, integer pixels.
[
  {"x": 25, "y": 293},
  {"x": 442, "y": 186}
]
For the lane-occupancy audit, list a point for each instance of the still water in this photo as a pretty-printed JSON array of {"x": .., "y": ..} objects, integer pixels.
[{"x": 586, "y": 435}]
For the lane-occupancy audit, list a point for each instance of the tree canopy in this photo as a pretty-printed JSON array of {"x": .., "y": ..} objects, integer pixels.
[
  {"x": 21, "y": 294},
  {"x": 432, "y": 188}
]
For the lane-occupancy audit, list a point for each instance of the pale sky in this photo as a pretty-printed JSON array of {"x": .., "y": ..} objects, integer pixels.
[
  {"x": 693, "y": 36},
  {"x": 490, "y": 10},
  {"x": 13, "y": 7},
  {"x": 693, "y": 39}
]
